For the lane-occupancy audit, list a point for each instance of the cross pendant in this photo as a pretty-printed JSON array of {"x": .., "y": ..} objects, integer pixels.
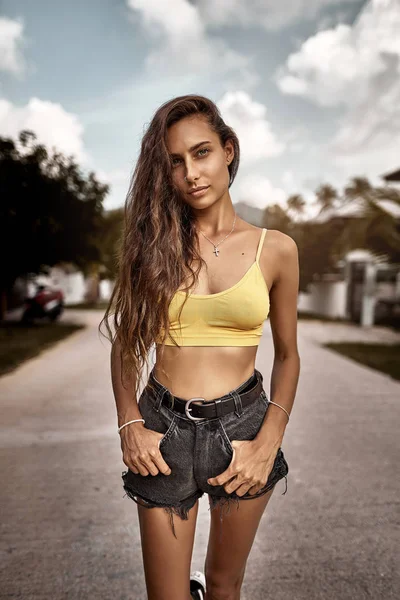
[{"x": 215, "y": 251}]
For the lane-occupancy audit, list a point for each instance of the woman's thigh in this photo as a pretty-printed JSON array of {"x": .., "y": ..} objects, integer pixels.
[
  {"x": 231, "y": 540},
  {"x": 166, "y": 558},
  {"x": 177, "y": 492}
]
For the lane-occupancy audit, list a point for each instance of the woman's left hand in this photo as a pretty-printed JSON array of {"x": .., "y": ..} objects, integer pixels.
[{"x": 249, "y": 468}]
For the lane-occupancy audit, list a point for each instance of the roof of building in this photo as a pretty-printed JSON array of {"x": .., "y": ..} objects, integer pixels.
[
  {"x": 355, "y": 209},
  {"x": 393, "y": 176}
]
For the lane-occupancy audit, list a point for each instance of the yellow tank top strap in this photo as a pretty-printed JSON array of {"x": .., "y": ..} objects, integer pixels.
[{"x": 260, "y": 244}]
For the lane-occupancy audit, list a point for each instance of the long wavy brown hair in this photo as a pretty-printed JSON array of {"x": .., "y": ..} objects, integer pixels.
[{"x": 158, "y": 246}]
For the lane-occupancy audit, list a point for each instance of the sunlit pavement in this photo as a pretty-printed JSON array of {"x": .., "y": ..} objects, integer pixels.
[{"x": 68, "y": 532}]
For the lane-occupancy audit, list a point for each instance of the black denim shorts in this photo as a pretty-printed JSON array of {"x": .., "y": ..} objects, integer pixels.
[{"x": 198, "y": 450}]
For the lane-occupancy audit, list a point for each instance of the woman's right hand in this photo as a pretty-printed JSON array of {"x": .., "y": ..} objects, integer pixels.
[{"x": 140, "y": 450}]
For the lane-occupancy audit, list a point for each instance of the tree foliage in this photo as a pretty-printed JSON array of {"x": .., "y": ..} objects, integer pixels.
[
  {"x": 113, "y": 223},
  {"x": 322, "y": 245},
  {"x": 49, "y": 211}
]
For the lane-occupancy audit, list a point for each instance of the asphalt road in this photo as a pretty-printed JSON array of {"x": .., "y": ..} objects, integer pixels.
[{"x": 69, "y": 532}]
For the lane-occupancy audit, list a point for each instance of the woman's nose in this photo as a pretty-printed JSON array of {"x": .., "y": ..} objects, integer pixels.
[{"x": 191, "y": 174}]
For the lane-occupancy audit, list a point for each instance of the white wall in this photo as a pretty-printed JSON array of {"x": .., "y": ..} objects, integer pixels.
[
  {"x": 326, "y": 298},
  {"x": 106, "y": 287},
  {"x": 72, "y": 284}
]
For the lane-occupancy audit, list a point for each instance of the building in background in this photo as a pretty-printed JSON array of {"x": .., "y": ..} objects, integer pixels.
[
  {"x": 365, "y": 289},
  {"x": 392, "y": 178}
]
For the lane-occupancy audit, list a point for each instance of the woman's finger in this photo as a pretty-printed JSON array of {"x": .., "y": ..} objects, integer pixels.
[
  {"x": 161, "y": 465},
  {"x": 142, "y": 468}
]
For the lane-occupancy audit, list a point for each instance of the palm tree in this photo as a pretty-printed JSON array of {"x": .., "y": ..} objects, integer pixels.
[
  {"x": 296, "y": 204},
  {"x": 326, "y": 196},
  {"x": 359, "y": 187},
  {"x": 275, "y": 217},
  {"x": 388, "y": 193},
  {"x": 378, "y": 230},
  {"x": 382, "y": 231}
]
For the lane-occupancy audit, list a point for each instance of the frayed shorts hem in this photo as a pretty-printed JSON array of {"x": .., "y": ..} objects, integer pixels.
[{"x": 182, "y": 509}]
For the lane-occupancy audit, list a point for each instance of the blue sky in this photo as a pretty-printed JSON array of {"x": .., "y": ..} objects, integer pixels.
[{"x": 311, "y": 87}]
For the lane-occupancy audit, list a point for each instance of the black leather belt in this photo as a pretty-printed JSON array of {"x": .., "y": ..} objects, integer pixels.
[{"x": 209, "y": 409}]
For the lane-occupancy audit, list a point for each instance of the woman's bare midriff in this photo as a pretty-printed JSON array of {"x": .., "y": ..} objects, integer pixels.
[{"x": 204, "y": 371}]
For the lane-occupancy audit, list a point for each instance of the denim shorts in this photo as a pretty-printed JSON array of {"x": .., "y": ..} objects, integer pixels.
[{"x": 196, "y": 450}]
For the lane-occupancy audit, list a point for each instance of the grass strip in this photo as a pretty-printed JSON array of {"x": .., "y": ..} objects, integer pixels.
[
  {"x": 19, "y": 342},
  {"x": 381, "y": 357}
]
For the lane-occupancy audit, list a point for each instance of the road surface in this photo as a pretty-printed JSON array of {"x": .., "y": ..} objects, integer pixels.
[{"x": 69, "y": 532}]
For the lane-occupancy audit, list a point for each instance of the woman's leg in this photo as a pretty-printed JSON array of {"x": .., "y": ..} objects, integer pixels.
[
  {"x": 166, "y": 559},
  {"x": 228, "y": 550}
]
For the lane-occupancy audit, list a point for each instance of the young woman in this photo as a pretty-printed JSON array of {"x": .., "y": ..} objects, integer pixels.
[{"x": 199, "y": 282}]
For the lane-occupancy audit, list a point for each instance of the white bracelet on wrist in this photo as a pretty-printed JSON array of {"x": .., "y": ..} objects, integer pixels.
[
  {"x": 288, "y": 416},
  {"x": 128, "y": 423}
]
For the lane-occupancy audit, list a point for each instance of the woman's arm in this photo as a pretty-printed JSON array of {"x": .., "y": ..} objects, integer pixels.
[
  {"x": 140, "y": 445},
  {"x": 125, "y": 399},
  {"x": 286, "y": 366}
]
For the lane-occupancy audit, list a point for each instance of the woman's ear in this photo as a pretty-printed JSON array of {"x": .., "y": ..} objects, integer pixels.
[{"x": 229, "y": 151}]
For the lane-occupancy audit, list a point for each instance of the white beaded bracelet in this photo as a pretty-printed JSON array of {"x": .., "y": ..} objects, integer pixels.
[{"x": 128, "y": 423}]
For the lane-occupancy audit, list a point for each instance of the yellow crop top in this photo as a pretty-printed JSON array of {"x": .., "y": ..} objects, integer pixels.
[{"x": 233, "y": 317}]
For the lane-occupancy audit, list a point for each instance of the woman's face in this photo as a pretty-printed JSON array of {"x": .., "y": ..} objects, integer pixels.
[{"x": 196, "y": 153}]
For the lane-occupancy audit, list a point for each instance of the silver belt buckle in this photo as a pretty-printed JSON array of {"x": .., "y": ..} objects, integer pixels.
[{"x": 187, "y": 409}]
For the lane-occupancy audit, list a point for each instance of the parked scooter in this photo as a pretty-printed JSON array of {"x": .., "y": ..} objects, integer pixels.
[{"x": 46, "y": 303}]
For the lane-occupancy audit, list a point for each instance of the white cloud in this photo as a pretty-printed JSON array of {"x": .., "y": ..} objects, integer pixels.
[
  {"x": 339, "y": 65},
  {"x": 368, "y": 139},
  {"x": 52, "y": 124},
  {"x": 257, "y": 190},
  {"x": 297, "y": 139},
  {"x": 290, "y": 183},
  {"x": 269, "y": 14},
  {"x": 328, "y": 69},
  {"x": 177, "y": 19},
  {"x": 357, "y": 68},
  {"x": 331, "y": 19},
  {"x": 114, "y": 177},
  {"x": 11, "y": 40},
  {"x": 118, "y": 179},
  {"x": 182, "y": 43},
  {"x": 248, "y": 119},
  {"x": 54, "y": 127},
  {"x": 292, "y": 186}
]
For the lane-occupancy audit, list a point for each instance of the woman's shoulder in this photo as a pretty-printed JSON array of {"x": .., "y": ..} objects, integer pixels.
[
  {"x": 280, "y": 244},
  {"x": 274, "y": 240}
]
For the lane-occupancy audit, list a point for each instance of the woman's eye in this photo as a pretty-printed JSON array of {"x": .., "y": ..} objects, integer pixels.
[{"x": 175, "y": 161}]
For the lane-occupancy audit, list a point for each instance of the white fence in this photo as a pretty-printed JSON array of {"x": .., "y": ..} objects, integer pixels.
[{"x": 327, "y": 298}]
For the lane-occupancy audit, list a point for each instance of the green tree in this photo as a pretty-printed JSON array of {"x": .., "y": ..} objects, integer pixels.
[
  {"x": 113, "y": 223},
  {"x": 316, "y": 244},
  {"x": 359, "y": 187},
  {"x": 326, "y": 196},
  {"x": 275, "y": 217},
  {"x": 49, "y": 212},
  {"x": 378, "y": 230},
  {"x": 322, "y": 245},
  {"x": 296, "y": 205},
  {"x": 382, "y": 231}
]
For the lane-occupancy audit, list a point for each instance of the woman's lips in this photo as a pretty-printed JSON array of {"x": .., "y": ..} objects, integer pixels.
[{"x": 199, "y": 193}]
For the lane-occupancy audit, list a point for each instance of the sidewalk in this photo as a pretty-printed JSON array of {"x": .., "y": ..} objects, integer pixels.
[{"x": 324, "y": 332}]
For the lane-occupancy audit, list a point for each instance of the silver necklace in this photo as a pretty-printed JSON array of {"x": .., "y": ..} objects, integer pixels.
[{"x": 216, "y": 251}]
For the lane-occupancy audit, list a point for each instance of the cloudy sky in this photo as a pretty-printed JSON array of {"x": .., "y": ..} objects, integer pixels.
[{"x": 311, "y": 87}]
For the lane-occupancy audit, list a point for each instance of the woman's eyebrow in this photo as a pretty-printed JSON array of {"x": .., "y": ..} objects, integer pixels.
[{"x": 193, "y": 147}]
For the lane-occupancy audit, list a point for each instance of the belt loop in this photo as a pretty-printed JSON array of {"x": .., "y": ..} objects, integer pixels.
[
  {"x": 238, "y": 403},
  {"x": 259, "y": 375},
  {"x": 218, "y": 408},
  {"x": 159, "y": 397}
]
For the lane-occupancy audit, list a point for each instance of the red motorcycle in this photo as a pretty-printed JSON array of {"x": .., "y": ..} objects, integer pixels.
[{"x": 46, "y": 303}]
